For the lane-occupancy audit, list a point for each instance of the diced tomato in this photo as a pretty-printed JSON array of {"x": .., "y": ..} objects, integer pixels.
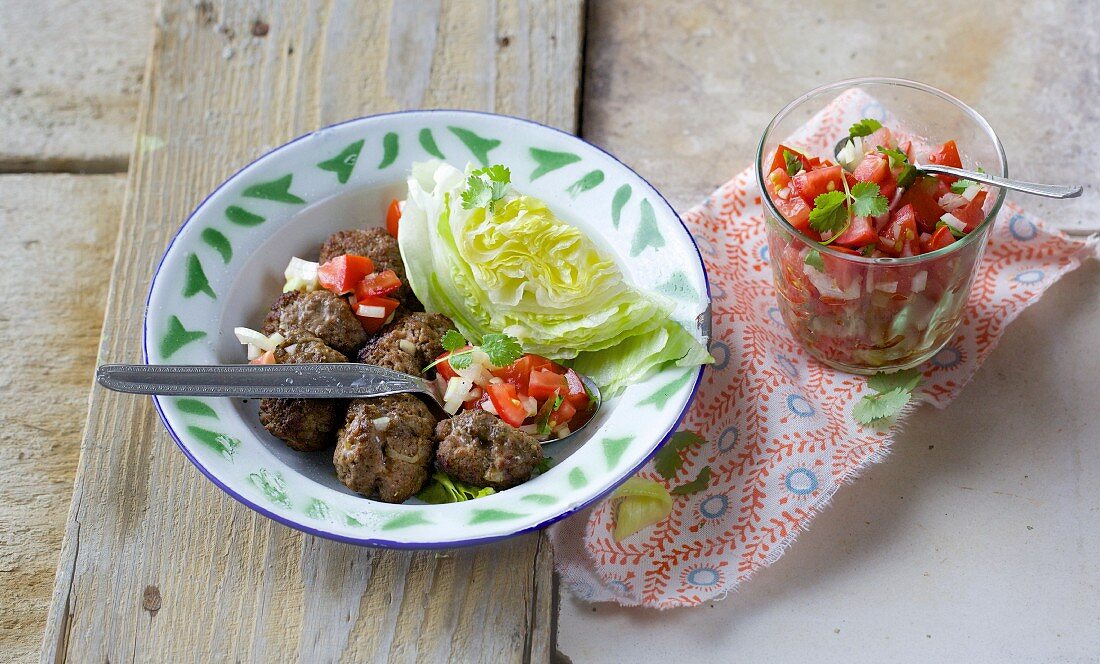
[
  {"x": 875, "y": 168},
  {"x": 444, "y": 367},
  {"x": 923, "y": 196},
  {"x": 545, "y": 384},
  {"x": 518, "y": 373},
  {"x": 267, "y": 358},
  {"x": 393, "y": 217},
  {"x": 507, "y": 404},
  {"x": 811, "y": 184},
  {"x": 946, "y": 155},
  {"x": 899, "y": 238},
  {"x": 475, "y": 401},
  {"x": 843, "y": 272},
  {"x": 577, "y": 395},
  {"x": 795, "y": 210},
  {"x": 341, "y": 274},
  {"x": 377, "y": 283},
  {"x": 859, "y": 233},
  {"x": 373, "y": 311},
  {"x": 881, "y": 136},
  {"x": 780, "y": 160},
  {"x": 938, "y": 240},
  {"x": 563, "y": 414},
  {"x": 972, "y": 213}
]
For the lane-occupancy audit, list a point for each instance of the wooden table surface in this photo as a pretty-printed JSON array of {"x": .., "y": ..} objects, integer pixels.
[{"x": 115, "y": 112}]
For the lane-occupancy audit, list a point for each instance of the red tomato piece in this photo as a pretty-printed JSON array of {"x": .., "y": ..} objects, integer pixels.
[
  {"x": 880, "y": 137},
  {"x": 393, "y": 217},
  {"x": 267, "y": 358},
  {"x": 518, "y": 373},
  {"x": 377, "y": 283},
  {"x": 507, "y": 404},
  {"x": 341, "y": 274},
  {"x": 577, "y": 395},
  {"x": 876, "y": 168},
  {"x": 859, "y": 233},
  {"x": 843, "y": 272},
  {"x": 475, "y": 401},
  {"x": 972, "y": 213},
  {"x": 444, "y": 367},
  {"x": 946, "y": 155},
  {"x": 780, "y": 160},
  {"x": 563, "y": 414},
  {"x": 924, "y": 196},
  {"x": 811, "y": 184},
  {"x": 899, "y": 237},
  {"x": 938, "y": 240},
  {"x": 373, "y": 311},
  {"x": 545, "y": 384}
]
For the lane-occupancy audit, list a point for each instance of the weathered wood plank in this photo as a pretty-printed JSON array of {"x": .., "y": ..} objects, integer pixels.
[
  {"x": 49, "y": 331},
  {"x": 145, "y": 527},
  {"x": 70, "y": 74}
]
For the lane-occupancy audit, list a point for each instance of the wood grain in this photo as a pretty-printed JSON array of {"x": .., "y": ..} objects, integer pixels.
[
  {"x": 145, "y": 529},
  {"x": 46, "y": 221},
  {"x": 70, "y": 75}
]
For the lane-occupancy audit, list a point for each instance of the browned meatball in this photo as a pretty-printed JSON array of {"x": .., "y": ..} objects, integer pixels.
[
  {"x": 385, "y": 448},
  {"x": 481, "y": 449},
  {"x": 305, "y": 424},
  {"x": 421, "y": 333},
  {"x": 381, "y": 248},
  {"x": 321, "y": 312}
]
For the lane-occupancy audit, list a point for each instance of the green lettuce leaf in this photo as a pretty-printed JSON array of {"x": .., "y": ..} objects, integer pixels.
[
  {"x": 442, "y": 488},
  {"x": 521, "y": 271}
]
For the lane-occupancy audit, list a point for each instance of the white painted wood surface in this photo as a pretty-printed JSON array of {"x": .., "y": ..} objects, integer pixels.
[{"x": 158, "y": 564}]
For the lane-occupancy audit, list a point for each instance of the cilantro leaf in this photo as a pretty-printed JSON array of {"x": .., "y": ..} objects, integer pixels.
[
  {"x": 829, "y": 213},
  {"x": 544, "y": 414},
  {"x": 961, "y": 185},
  {"x": 461, "y": 360},
  {"x": 501, "y": 349},
  {"x": 701, "y": 482},
  {"x": 884, "y": 382},
  {"x": 544, "y": 465},
  {"x": 864, "y": 127},
  {"x": 897, "y": 157},
  {"x": 813, "y": 259},
  {"x": 873, "y": 407},
  {"x": 453, "y": 340},
  {"x": 868, "y": 250},
  {"x": 907, "y": 176},
  {"x": 477, "y": 194},
  {"x": 486, "y": 186},
  {"x": 668, "y": 461},
  {"x": 867, "y": 201},
  {"x": 794, "y": 164}
]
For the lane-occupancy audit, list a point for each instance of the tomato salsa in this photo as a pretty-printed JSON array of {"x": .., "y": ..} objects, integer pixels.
[{"x": 869, "y": 200}]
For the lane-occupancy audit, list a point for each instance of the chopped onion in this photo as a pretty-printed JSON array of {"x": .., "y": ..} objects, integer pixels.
[
  {"x": 887, "y": 286},
  {"x": 367, "y": 311},
  {"x": 826, "y": 286},
  {"x": 531, "y": 429},
  {"x": 457, "y": 388},
  {"x": 475, "y": 373},
  {"x": 249, "y": 336},
  {"x": 952, "y": 201},
  {"x": 407, "y": 346},
  {"x": 530, "y": 405},
  {"x": 920, "y": 280},
  {"x": 253, "y": 351},
  {"x": 488, "y": 406},
  {"x": 970, "y": 192},
  {"x": 496, "y": 380},
  {"x": 562, "y": 431},
  {"x": 852, "y": 153},
  {"x": 381, "y": 423},
  {"x": 300, "y": 275},
  {"x": 953, "y": 222},
  {"x": 276, "y": 338},
  {"x": 784, "y": 193}
]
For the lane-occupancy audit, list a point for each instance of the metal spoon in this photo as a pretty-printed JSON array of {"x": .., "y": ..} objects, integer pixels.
[
  {"x": 337, "y": 380},
  {"x": 1047, "y": 190}
]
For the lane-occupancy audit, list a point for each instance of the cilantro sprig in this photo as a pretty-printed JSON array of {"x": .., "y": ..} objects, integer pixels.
[
  {"x": 502, "y": 350},
  {"x": 908, "y": 173},
  {"x": 486, "y": 186},
  {"x": 892, "y": 392},
  {"x": 833, "y": 210},
  {"x": 864, "y": 127},
  {"x": 792, "y": 162}
]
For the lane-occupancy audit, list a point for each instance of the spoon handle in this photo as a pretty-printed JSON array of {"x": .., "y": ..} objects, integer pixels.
[
  {"x": 1048, "y": 190},
  {"x": 297, "y": 381}
]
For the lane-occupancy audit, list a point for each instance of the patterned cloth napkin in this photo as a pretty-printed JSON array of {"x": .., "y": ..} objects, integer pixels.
[{"x": 780, "y": 435}]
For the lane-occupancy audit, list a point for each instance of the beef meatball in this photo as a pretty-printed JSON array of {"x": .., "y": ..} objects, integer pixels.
[
  {"x": 409, "y": 343},
  {"x": 305, "y": 424},
  {"x": 481, "y": 449},
  {"x": 321, "y": 312},
  {"x": 381, "y": 248},
  {"x": 384, "y": 450}
]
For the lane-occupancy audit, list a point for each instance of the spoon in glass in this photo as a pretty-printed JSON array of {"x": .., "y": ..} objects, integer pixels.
[
  {"x": 336, "y": 380},
  {"x": 1047, "y": 190}
]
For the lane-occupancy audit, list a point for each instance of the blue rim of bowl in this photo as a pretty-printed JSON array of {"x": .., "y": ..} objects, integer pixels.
[{"x": 391, "y": 544}]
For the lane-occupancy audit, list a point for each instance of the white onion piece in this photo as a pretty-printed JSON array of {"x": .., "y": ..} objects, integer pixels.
[
  {"x": 920, "y": 280},
  {"x": 852, "y": 153},
  {"x": 276, "y": 339},
  {"x": 300, "y": 275},
  {"x": 253, "y": 351},
  {"x": 367, "y": 311},
  {"x": 887, "y": 286},
  {"x": 408, "y": 347},
  {"x": 488, "y": 406},
  {"x": 531, "y": 406},
  {"x": 827, "y": 287},
  {"x": 952, "y": 201},
  {"x": 971, "y": 192},
  {"x": 457, "y": 388},
  {"x": 562, "y": 431},
  {"x": 953, "y": 222},
  {"x": 249, "y": 336},
  {"x": 381, "y": 423},
  {"x": 530, "y": 429}
]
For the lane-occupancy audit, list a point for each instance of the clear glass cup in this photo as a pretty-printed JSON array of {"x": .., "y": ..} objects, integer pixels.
[{"x": 879, "y": 314}]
